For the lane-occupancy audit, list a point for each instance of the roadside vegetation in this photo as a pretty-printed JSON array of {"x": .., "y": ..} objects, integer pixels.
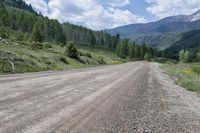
[
  {"x": 26, "y": 58},
  {"x": 187, "y": 72}
]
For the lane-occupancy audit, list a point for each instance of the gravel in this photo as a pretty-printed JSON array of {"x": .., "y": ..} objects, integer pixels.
[{"x": 127, "y": 98}]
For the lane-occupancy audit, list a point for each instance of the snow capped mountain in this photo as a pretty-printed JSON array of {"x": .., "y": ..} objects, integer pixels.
[
  {"x": 182, "y": 18},
  {"x": 195, "y": 16}
]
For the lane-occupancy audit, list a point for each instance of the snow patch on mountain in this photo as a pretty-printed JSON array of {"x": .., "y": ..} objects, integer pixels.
[{"x": 183, "y": 18}]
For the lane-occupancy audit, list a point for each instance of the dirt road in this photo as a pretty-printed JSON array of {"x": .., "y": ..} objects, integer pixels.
[{"x": 132, "y": 97}]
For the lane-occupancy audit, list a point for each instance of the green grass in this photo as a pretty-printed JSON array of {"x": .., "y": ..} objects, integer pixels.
[
  {"x": 185, "y": 75},
  {"x": 50, "y": 57}
]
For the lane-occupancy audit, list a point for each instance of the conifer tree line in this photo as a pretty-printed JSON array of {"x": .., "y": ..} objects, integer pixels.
[
  {"x": 126, "y": 49},
  {"x": 18, "y": 21},
  {"x": 186, "y": 56},
  {"x": 19, "y": 4}
]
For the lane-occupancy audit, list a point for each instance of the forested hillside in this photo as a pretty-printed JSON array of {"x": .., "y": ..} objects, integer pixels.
[
  {"x": 17, "y": 21},
  {"x": 20, "y": 4},
  {"x": 31, "y": 42},
  {"x": 187, "y": 41}
]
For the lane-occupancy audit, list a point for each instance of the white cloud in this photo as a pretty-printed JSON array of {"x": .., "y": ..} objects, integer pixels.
[
  {"x": 165, "y": 8},
  {"x": 114, "y": 3},
  {"x": 39, "y": 5},
  {"x": 95, "y": 14}
]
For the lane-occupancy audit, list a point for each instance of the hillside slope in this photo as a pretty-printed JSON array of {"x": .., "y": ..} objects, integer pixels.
[
  {"x": 187, "y": 40},
  {"x": 50, "y": 57},
  {"x": 17, "y": 22},
  {"x": 20, "y": 52}
]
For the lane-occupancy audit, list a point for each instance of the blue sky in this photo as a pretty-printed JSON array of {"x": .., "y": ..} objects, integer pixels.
[
  {"x": 104, "y": 14},
  {"x": 139, "y": 7}
]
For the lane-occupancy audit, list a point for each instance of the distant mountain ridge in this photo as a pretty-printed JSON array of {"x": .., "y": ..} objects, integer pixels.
[
  {"x": 170, "y": 24},
  {"x": 161, "y": 34},
  {"x": 183, "y": 18}
]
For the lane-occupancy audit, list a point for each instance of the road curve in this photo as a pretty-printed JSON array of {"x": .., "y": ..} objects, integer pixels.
[{"x": 132, "y": 97}]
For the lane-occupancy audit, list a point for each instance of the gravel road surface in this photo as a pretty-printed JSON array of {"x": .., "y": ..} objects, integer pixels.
[{"x": 128, "y": 98}]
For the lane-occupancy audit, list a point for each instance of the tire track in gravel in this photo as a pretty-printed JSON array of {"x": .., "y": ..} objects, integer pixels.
[{"x": 132, "y": 97}]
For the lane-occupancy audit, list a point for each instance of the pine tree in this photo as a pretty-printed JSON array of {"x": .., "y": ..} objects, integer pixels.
[
  {"x": 71, "y": 51},
  {"x": 184, "y": 56},
  {"x": 147, "y": 57},
  {"x": 36, "y": 34},
  {"x": 4, "y": 16},
  {"x": 131, "y": 51},
  {"x": 198, "y": 56}
]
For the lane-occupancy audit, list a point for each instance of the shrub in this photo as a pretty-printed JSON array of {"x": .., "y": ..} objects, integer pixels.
[
  {"x": 101, "y": 60},
  {"x": 5, "y": 66},
  {"x": 181, "y": 55},
  {"x": 63, "y": 45},
  {"x": 47, "y": 45},
  {"x": 198, "y": 56},
  {"x": 184, "y": 56},
  {"x": 71, "y": 51},
  {"x": 38, "y": 46},
  {"x": 81, "y": 53},
  {"x": 88, "y": 55},
  {"x": 171, "y": 62},
  {"x": 4, "y": 32},
  {"x": 147, "y": 57},
  {"x": 196, "y": 69},
  {"x": 63, "y": 59}
]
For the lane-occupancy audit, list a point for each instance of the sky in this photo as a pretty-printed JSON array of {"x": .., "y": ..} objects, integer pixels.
[{"x": 106, "y": 14}]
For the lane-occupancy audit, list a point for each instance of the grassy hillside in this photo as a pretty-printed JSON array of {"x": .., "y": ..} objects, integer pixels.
[
  {"x": 172, "y": 41},
  {"x": 187, "y": 40},
  {"x": 161, "y": 41},
  {"x": 50, "y": 57}
]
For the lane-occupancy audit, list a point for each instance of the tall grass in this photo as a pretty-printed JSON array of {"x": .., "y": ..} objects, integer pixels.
[{"x": 185, "y": 75}]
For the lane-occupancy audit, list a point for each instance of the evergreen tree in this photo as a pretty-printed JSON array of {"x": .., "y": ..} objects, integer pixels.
[
  {"x": 198, "y": 56},
  {"x": 147, "y": 57},
  {"x": 4, "y": 32},
  {"x": 119, "y": 50},
  {"x": 71, "y": 51},
  {"x": 184, "y": 56},
  {"x": 131, "y": 52},
  {"x": 36, "y": 34},
  {"x": 187, "y": 57},
  {"x": 4, "y": 17},
  {"x": 142, "y": 51},
  {"x": 181, "y": 55}
]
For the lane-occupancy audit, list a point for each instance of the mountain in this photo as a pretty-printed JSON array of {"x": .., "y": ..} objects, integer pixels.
[
  {"x": 161, "y": 34},
  {"x": 187, "y": 40},
  {"x": 183, "y": 18}
]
